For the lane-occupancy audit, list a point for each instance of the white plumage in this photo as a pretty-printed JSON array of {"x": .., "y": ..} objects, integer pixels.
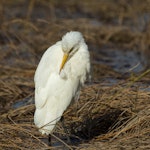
[{"x": 61, "y": 72}]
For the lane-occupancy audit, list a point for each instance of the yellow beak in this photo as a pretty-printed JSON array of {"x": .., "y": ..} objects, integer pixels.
[{"x": 65, "y": 57}]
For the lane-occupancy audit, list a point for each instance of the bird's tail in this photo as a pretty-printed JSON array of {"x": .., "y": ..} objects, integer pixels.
[
  {"x": 48, "y": 127},
  {"x": 45, "y": 121}
]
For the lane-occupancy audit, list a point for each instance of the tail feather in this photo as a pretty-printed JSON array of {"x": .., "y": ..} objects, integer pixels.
[{"x": 46, "y": 120}]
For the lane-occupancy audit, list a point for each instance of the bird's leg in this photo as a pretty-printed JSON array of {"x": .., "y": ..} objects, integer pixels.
[
  {"x": 76, "y": 102},
  {"x": 76, "y": 108},
  {"x": 49, "y": 140},
  {"x": 65, "y": 129}
]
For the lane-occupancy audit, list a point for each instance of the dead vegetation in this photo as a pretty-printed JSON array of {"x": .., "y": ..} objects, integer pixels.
[
  {"x": 108, "y": 115},
  {"x": 104, "y": 116}
]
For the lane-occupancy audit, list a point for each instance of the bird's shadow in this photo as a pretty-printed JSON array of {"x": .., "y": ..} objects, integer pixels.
[{"x": 92, "y": 127}]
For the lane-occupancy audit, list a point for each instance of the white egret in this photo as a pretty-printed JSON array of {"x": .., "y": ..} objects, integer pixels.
[{"x": 59, "y": 76}]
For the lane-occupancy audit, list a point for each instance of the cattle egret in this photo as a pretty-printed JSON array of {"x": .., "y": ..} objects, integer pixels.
[{"x": 59, "y": 76}]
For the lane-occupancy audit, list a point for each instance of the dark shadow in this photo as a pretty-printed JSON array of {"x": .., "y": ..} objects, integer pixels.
[{"x": 92, "y": 127}]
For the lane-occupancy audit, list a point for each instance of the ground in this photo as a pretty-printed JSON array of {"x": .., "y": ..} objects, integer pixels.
[{"x": 113, "y": 111}]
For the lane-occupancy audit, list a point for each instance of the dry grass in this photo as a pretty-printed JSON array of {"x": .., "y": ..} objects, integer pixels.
[
  {"x": 101, "y": 117},
  {"x": 107, "y": 115}
]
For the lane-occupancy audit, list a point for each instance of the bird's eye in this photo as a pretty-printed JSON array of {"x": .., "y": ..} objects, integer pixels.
[{"x": 71, "y": 49}]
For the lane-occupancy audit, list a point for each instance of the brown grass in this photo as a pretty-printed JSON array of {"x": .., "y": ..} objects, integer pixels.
[
  {"x": 101, "y": 117},
  {"x": 107, "y": 115}
]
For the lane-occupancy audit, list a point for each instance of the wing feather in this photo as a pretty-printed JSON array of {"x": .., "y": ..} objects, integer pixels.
[{"x": 49, "y": 63}]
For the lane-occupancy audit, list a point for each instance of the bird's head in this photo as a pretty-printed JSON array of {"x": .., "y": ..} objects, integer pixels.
[{"x": 71, "y": 42}]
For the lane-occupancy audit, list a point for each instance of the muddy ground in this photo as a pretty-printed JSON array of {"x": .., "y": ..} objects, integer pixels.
[{"x": 113, "y": 111}]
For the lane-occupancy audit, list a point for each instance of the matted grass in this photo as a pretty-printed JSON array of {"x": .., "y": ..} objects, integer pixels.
[{"x": 103, "y": 115}]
